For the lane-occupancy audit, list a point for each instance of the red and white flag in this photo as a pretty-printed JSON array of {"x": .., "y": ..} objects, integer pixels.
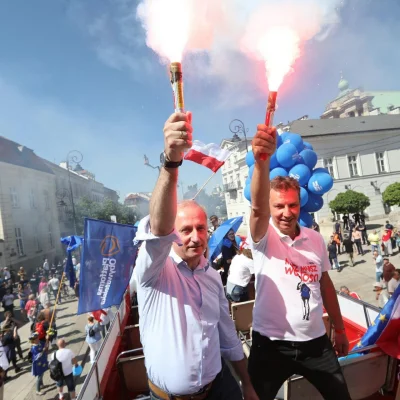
[{"x": 209, "y": 155}]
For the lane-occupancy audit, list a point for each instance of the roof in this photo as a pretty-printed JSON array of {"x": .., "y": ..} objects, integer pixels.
[
  {"x": 16, "y": 154},
  {"x": 383, "y": 100},
  {"x": 332, "y": 126}
]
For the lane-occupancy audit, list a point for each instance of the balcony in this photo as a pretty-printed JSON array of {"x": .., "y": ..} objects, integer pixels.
[{"x": 232, "y": 186}]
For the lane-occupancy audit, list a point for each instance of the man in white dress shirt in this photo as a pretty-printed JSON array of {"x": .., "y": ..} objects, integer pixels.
[
  {"x": 184, "y": 321},
  {"x": 292, "y": 284}
]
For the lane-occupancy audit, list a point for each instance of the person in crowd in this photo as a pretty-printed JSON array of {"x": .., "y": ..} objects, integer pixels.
[
  {"x": 54, "y": 283},
  {"x": 332, "y": 254},
  {"x": 7, "y": 274},
  {"x": 357, "y": 237},
  {"x": 229, "y": 250},
  {"x": 34, "y": 283},
  {"x": 388, "y": 226},
  {"x": 337, "y": 240},
  {"x": 43, "y": 298},
  {"x": 387, "y": 242},
  {"x": 382, "y": 295},
  {"x": 39, "y": 360},
  {"x": 53, "y": 269},
  {"x": 338, "y": 229},
  {"x": 289, "y": 339},
  {"x": 352, "y": 225},
  {"x": 23, "y": 298},
  {"x": 68, "y": 360},
  {"x": 31, "y": 308},
  {"x": 76, "y": 288},
  {"x": 378, "y": 260},
  {"x": 345, "y": 221},
  {"x": 315, "y": 226},
  {"x": 21, "y": 274},
  {"x": 387, "y": 270},
  {"x": 363, "y": 229},
  {"x": 240, "y": 273},
  {"x": 10, "y": 340},
  {"x": 93, "y": 337},
  {"x": 193, "y": 309},
  {"x": 348, "y": 246},
  {"x": 41, "y": 327},
  {"x": 394, "y": 282},
  {"x": 214, "y": 225},
  {"x": 8, "y": 302},
  {"x": 43, "y": 284},
  {"x": 344, "y": 290},
  {"x": 356, "y": 218},
  {"x": 374, "y": 239},
  {"x": 46, "y": 267}
]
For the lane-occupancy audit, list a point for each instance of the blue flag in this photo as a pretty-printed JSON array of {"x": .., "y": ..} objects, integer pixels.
[
  {"x": 109, "y": 254},
  {"x": 72, "y": 243}
]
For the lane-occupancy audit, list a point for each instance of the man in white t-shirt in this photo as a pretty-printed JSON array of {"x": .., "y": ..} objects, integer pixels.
[
  {"x": 292, "y": 286},
  {"x": 67, "y": 358},
  {"x": 54, "y": 283}
]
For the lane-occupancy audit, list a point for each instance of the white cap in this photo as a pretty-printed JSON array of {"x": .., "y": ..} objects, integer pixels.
[{"x": 378, "y": 284}]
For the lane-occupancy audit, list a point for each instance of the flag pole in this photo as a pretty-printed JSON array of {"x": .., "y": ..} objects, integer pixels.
[
  {"x": 55, "y": 304},
  {"x": 205, "y": 183}
]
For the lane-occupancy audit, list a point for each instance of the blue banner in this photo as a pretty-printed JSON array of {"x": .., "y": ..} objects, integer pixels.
[{"x": 109, "y": 255}]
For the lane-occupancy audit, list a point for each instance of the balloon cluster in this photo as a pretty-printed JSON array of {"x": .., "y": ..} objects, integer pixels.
[{"x": 295, "y": 158}]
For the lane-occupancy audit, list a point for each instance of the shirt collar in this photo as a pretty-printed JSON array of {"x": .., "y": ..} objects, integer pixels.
[
  {"x": 285, "y": 238},
  {"x": 204, "y": 263}
]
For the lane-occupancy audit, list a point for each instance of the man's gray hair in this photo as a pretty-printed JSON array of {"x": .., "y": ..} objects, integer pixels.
[{"x": 190, "y": 203}]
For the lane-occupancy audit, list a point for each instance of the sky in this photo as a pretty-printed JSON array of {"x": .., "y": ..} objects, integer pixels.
[{"x": 77, "y": 75}]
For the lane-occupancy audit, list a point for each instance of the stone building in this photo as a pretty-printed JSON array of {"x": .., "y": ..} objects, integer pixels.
[{"x": 29, "y": 229}]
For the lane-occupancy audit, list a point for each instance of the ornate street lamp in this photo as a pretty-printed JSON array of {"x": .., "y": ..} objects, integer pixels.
[{"x": 237, "y": 127}]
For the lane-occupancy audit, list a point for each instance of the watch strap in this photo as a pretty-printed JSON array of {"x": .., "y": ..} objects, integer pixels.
[{"x": 171, "y": 164}]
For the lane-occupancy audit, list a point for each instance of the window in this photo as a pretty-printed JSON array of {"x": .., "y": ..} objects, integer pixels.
[
  {"x": 14, "y": 197},
  {"x": 241, "y": 197},
  {"x": 353, "y": 165},
  {"x": 51, "y": 242},
  {"x": 229, "y": 162},
  {"x": 380, "y": 161},
  {"x": 20, "y": 242},
  {"x": 244, "y": 218},
  {"x": 46, "y": 200},
  {"x": 32, "y": 198},
  {"x": 328, "y": 164},
  {"x": 37, "y": 241}
]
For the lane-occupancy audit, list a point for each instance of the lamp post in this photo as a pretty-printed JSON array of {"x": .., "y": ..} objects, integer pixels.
[
  {"x": 236, "y": 126},
  {"x": 147, "y": 162},
  {"x": 73, "y": 157}
]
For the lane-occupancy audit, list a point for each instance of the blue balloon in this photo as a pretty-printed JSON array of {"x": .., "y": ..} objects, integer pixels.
[
  {"x": 238, "y": 240},
  {"x": 309, "y": 158},
  {"x": 279, "y": 140},
  {"x": 303, "y": 197},
  {"x": 273, "y": 162},
  {"x": 277, "y": 172},
  {"x": 325, "y": 170},
  {"x": 250, "y": 159},
  {"x": 76, "y": 370},
  {"x": 247, "y": 192},
  {"x": 251, "y": 170},
  {"x": 320, "y": 183},
  {"x": 248, "y": 180},
  {"x": 294, "y": 139},
  {"x": 287, "y": 155},
  {"x": 305, "y": 219},
  {"x": 307, "y": 146},
  {"x": 284, "y": 135},
  {"x": 314, "y": 203},
  {"x": 301, "y": 173}
]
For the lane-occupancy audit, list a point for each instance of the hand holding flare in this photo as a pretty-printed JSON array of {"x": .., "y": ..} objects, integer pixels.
[{"x": 264, "y": 142}]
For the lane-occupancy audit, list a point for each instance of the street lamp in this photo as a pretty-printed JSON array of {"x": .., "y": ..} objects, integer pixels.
[
  {"x": 147, "y": 162},
  {"x": 73, "y": 157},
  {"x": 236, "y": 126}
]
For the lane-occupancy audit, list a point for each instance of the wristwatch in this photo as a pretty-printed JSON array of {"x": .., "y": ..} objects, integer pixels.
[{"x": 166, "y": 163}]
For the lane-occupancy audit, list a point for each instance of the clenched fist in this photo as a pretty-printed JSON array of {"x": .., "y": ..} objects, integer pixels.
[
  {"x": 264, "y": 142},
  {"x": 178, "y": 135}
]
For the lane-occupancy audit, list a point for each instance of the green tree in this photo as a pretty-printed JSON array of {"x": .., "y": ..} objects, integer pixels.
[
  {"x": 87, "y": 208},
  {"x": 349, "y": 202},
  {"x": 391, "y": 195}
]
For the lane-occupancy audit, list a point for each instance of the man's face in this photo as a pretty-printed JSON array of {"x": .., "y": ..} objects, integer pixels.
[
  {"x": 231, "y": 235},
  {"x": 191, "y": 224},
  {"x": 285, "y": 210},
  {"x": 375, "y": 254},
  {"x": 345, "y": 291},
  {"x": 396, "y": 275},
  {"x": 385, "y": 262},
  {"x": 214, "y": 222}
]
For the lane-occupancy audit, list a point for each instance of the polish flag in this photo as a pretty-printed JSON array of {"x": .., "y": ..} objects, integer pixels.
[{"x": 209, "y": 155}]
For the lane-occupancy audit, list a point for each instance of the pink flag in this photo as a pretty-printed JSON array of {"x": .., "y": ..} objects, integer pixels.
[{"x": 209, "y": 155}]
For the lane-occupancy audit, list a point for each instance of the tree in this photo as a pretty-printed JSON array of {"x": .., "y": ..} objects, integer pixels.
[
  {"x": 349, "y": 202},
  {"x": 87, "y": 208},
  {"x": 391, "y": 195}
]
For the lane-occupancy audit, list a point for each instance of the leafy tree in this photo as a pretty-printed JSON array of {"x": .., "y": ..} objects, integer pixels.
[
  {"x": 349, "y": 202},
  {"x": 391, "y": 195},
  {"x": 87, "y": 208}
]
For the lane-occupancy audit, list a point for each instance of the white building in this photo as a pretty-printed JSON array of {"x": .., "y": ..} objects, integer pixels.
[
  {"x": 28, "y": 214},
  {"x": 361, "y": 154}
]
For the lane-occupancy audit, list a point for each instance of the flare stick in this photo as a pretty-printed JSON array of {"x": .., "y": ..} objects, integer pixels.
[
  {"x": 177, "y": 86},
  {"x": 269, "y": 116}
]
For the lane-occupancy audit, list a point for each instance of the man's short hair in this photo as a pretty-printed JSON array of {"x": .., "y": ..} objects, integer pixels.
[
  {"x": 213, "y": 217},
  {"x": 190, "y": 203},
  {"x": 344, "y": 288},
  {"x": 285, "y": 183}
]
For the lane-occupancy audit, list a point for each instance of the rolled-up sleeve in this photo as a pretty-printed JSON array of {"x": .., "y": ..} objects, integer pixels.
[
  {"x": 153, "y": 253},
  {"x": 230, "y": 344}
]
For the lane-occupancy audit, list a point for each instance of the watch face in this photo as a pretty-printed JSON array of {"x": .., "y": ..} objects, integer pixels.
[{"x": 162, "y": 158}]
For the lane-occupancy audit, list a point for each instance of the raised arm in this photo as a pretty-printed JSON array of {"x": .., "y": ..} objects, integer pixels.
[
  {"x": 264, "y": 142},
  {"x": 163, "y": 203}
]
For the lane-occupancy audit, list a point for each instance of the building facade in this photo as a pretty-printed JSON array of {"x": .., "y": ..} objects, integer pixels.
[
  {"x": 139, "y": 202},
  {"x": 29, "y": 228}
]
